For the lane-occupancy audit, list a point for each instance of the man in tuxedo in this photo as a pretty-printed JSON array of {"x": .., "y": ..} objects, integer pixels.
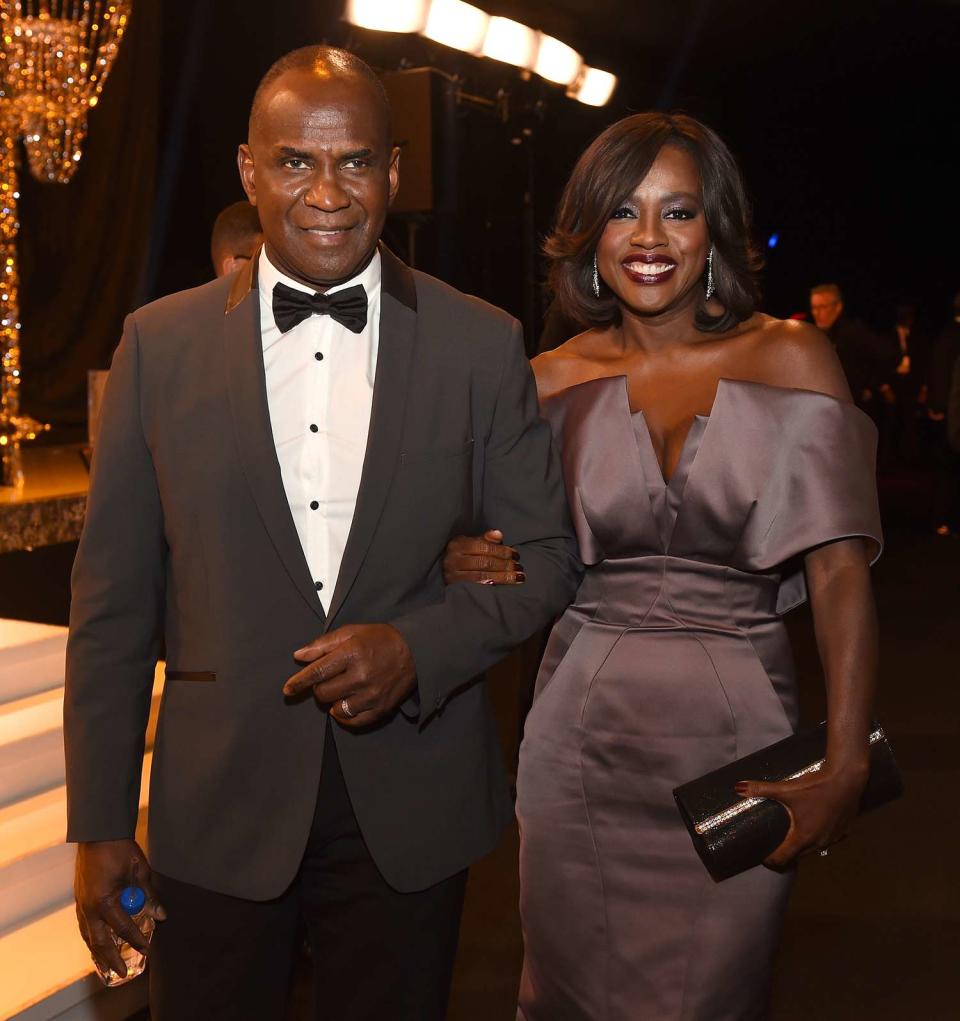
[{"x": 283, "y": 457}]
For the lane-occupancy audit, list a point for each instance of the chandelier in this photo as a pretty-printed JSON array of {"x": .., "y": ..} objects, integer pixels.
[{"x": 55, "y": 56}]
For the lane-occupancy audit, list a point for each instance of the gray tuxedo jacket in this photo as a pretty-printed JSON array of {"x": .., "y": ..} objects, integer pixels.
[{"x": 189, "y": 542}]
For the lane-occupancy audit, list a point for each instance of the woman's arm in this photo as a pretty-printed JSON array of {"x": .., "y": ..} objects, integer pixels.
[{"x": 823, "y": 805}]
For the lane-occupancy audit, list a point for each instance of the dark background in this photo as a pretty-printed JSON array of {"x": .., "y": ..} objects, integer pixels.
[{"x": 842, "y": 114}]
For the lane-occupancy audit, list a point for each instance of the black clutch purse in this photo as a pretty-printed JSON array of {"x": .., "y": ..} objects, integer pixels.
[{"x": 732, "y": 834}]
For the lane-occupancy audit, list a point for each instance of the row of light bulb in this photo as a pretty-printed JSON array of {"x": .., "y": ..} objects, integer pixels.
[{"x": 465, "y": 27}]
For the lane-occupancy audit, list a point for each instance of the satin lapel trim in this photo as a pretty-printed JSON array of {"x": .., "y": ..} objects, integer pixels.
[
  {"x": 247, "y": 385},
  {"x": 398, "y": 326}
]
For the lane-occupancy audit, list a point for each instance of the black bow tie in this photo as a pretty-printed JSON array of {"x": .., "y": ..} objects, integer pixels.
[{"x": 348, "y": 307}]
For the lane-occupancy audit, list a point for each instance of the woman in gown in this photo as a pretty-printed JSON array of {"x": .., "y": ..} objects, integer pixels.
[{"x": 717, "y": 472}]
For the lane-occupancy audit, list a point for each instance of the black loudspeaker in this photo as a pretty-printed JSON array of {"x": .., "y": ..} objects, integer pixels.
[
  {"x": 423, "y": 223},
  {"x": 415, "y": 98}
]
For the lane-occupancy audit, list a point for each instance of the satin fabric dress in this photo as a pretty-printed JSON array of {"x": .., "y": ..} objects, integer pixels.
[{"x": 672, "y": 661}]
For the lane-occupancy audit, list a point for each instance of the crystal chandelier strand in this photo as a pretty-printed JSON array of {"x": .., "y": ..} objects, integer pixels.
[
  {"x": 9, "y": 280},
  {"x": 55, "y": 57}
]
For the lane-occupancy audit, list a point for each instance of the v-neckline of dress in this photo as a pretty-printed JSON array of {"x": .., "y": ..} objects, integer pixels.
[
  {"x": 666, "y": 496},
  {"x": 696, "y": 433}
]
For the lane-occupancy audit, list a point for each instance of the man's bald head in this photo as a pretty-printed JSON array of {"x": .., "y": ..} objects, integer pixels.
[
  {"x": 326, "y": 62},
  {"x": 320, "y": 164}
]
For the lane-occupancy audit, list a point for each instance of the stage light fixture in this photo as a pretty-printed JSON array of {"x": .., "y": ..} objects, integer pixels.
[
  {"x": 557, "y": 62},
  {"x": 388, "y": 15},
  {"x": 594, "y": 87},
  {"x": 457, "y": 24},
  {"x": 511, "y": 42}
]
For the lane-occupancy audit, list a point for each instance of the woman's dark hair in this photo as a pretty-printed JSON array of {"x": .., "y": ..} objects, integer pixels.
[{"x": 606, "y": 175}]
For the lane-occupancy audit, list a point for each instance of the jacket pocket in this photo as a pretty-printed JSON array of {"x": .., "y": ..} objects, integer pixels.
[
  {"x": 189, "y": 675},
  {"x": 440, "y": 453}
]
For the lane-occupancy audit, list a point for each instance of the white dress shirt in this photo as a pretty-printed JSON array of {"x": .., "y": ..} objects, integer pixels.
[{"x": 320, "y": 393}]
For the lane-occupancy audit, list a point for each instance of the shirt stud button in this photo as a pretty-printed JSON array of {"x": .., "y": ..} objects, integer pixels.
[
  {"x": 319, "y": 356},
  {"x": 319, "y": 585},
  {"x": 314, "y": 505},
  {"x": 314, "y": 428}
]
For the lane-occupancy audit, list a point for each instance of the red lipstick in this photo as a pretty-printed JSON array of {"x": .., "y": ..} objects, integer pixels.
[{"x": 649, "y": 268}]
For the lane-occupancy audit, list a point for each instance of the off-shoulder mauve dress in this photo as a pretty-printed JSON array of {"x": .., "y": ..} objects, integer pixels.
[{"x": 672, "y": 661}]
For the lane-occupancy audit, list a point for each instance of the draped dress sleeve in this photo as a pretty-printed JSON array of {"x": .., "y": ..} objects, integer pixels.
[{"x": 821, "y": 487}]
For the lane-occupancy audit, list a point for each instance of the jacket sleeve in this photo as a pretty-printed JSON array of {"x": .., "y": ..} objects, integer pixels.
[
  {"x": 118, "y": 587},
  {"x": 476, "y": 625}
]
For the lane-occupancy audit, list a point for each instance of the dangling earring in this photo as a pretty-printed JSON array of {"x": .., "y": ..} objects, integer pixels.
[
  {"x": 710, "y": 287},
  {"x": 596, "y": 277}
]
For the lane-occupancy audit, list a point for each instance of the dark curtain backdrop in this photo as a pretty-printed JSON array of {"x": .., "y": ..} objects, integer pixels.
[
  {"x": 207, "y": 93},
  {"x": 82, "y": 245},
  {"x": 840, "y": 114}
]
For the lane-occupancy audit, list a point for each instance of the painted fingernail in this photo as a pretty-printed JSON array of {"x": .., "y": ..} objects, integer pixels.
[
  {"x": 487, "y": 581},
  {"x": 742, "y": 787},
  {"x": 520, "y": 576}
]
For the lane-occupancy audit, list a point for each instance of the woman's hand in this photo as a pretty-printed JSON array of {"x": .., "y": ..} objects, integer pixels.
[
  {"x": 483, "y": 560},
  {"x": 821, "y": 807}
]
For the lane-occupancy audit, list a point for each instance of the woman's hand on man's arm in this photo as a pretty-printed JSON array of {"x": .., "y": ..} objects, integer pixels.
[{"x": 483, "y": 560}]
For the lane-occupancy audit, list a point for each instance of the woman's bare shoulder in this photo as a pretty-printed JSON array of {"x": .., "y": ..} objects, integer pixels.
[
  {"x": 791, "y": 353},
  {"x": 564, "y": 366}
]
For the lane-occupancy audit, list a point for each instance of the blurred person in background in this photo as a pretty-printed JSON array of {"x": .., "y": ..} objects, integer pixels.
[
  {"x": 953, "y": 415},
  {"x": 236, "y": 237},
  {"x": 903, "y": 386},
  {"x": 862, "y": 354},
  {"x": 943, "y": 410}
]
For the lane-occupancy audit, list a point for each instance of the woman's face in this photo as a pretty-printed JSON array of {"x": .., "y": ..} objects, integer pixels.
[{"x": 653, "y": 250}]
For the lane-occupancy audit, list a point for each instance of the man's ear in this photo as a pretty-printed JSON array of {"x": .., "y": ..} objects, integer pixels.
[
  {"x": 245, "y": 166},
  {"x": 394, "y": 173},
  {"x": 228, "y": 264}
]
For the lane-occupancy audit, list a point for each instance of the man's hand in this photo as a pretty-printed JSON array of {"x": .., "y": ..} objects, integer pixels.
[
  {"x": 103, "y": 869},
  {"x": 366, "y": 666}
]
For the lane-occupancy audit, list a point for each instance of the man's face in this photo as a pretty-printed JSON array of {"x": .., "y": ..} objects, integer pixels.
[
  {"x": 320, "y": 169},
  {"x": 825, "y": 308}
]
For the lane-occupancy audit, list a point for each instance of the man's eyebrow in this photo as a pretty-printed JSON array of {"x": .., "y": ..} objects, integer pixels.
[{"x": 291, "y": 152}]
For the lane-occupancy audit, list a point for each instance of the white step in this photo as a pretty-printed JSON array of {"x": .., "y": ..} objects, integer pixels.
[
  {"x": 31, "y": 658},
  {"x": 31, "y": 742},
  {"x": 36, "y": 866},
  {"x": 47, "y": 975},
  {"x": 45, "y": 969}
]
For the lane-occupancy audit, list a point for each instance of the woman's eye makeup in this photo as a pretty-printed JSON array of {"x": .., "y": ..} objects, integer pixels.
[{"x": 672, "y": 213}]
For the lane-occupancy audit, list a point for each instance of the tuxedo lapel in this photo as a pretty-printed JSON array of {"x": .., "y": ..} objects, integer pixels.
[
  {"x": 398, "y": 324},
  {"x": 250, "y": 411}
]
